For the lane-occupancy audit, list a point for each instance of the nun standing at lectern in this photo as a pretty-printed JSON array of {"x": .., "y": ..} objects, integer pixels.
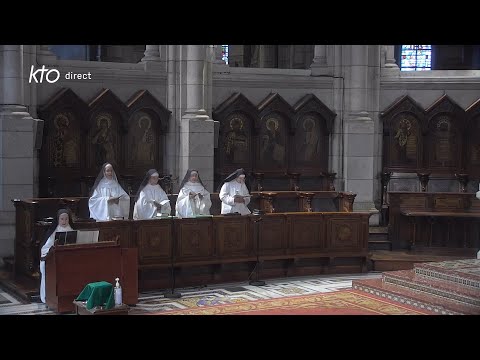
[
  {"x": 193, "y": 199},
  {"x": 234, "y": 194},
  {"x": 109, "y": 200},
  {"x": 151, "y": 199},
  {"x": 60, "y": 224}
]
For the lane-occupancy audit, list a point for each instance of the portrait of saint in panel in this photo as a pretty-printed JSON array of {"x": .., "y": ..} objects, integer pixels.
[
  {"x": 308, "y": 141},
  {"x": 236, "y": 144},
  {"x": 65, "y": 145},
  {"x": 444, "y": 141},
  {"x": 103, "y": 140},
  {"x": 142, "y": 139},
  {"x": 404, "y": 140},
  {"x": 272, "y": 150}
]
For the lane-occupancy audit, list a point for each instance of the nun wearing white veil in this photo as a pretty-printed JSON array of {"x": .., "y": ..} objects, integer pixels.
[
  {"x": 193, "y": 199},
  {"x": 108, "y": 199},
  {"x": 151, "y": 199}
]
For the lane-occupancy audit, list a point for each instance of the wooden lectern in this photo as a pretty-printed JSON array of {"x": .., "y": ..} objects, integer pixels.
[{"x": 70, "y": 268}]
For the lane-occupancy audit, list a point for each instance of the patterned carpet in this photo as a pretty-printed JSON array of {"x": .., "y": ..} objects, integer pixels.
[
  {"x": 219, "y": 295},
  {"x": 342, "y": 302}
]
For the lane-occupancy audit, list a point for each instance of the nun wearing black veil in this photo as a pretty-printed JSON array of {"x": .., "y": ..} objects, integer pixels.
[
  {"x": 151, "y": 198},
  {"x": 108, "y": 199},
  {"x": 61, "y": 223},
  {"x": 193, "y": 199},
  {"x": 234, "y": 194}
]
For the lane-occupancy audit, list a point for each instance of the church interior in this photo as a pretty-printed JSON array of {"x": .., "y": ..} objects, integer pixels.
[{"x": 361, "y": 164}]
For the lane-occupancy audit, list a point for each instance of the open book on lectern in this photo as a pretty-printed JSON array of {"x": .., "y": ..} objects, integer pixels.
[
  {"x": 87, "y": 236},
  {"x": 65, "y": 237}
]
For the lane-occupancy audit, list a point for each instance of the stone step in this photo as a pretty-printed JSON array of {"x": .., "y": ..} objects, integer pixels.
[
  {"x": 451, "y": 291},
  {"x": 436, "y": 304},
  {"x": 465, "y": 272}
]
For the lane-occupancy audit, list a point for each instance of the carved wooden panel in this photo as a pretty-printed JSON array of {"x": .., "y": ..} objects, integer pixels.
[
  {"x": 344, "y": 233},
  {"x": 233, "y": 236},
  {"x": 143, "y": 141},
  {"x": 444, "y": 141},
  {"x": 405, "y": 142},
  {"x": 80, "y": 137},
  {"x": 272, "y": 144},
  {"x": 273, "y": 234},
  {"x": 310, "y": 145},
  {"x": 307, "y": 233},
  {"x": 403, "y": 122},
  {"x": 412, "y": 201},
  {"x": 194, "y": 238},
  {"x": 235, "y": 144},
  {"x": 154, "y": 241},
  {"x": 446, "y": 203}
]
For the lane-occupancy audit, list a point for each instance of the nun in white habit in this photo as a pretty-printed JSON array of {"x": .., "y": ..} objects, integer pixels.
[
  {"x": 193, "y": 199},
  {"x": 151, "y": 199},
  {"x": 234, "y": 194},
  {"x": 109, "y": 200},
  {"x": 60, "y": 224}
]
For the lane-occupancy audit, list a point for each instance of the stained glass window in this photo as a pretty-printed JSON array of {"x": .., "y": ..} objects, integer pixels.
[
  {"x": 416, "y": 57},
  {"x": 225, "y": 53}
]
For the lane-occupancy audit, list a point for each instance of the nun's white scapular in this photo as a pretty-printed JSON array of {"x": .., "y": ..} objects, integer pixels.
[
  {"x": 199, "y": 203},
  {"x": 46, "y": 248},
  {"x": 232, "y": 188},
  {"x": 148, "y": 196},
  {"x": 105, "y": 188}
]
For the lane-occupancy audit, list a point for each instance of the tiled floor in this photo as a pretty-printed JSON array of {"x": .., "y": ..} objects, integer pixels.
[{"x": 210, "y": 295}]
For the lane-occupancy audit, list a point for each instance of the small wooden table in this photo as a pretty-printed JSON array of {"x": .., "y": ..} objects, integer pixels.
[{"x": 80, "y": 309}]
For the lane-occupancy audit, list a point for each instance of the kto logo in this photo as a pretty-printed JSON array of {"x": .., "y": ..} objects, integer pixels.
[{"x": 51, "y": 75}]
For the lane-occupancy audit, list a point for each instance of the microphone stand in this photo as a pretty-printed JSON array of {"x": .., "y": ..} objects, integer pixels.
[
  {"x": 257, "y": 282},
  {"x": 172, "y": 294}
]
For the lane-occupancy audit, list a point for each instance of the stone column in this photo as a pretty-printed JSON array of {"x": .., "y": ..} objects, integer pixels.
[
  {"x": 319, "y": 63},
  {"x": 196, "y": 127},
  {"x": 44, "y": 55},
  {"x": 359, "y": 133},
  {"x": 390, "y": 66},
  {"x": 16, "y": 142},
  {"x": 152, "y": 53}
]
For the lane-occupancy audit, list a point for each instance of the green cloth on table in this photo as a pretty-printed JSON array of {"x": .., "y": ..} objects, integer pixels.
[{"x": 98, "y": 294}]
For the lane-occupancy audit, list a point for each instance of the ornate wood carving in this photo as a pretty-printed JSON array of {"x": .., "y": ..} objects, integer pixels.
[
  {"x": 266, "y": 201},
  {"x": 463, "y": 180},
  {"x": 273, "y": 138},
  {"x": 80, "y": 137},
  {"x": 424, "y": 178},
  {"x": 294, "y": 181},
  {"x": 403, "y": 122},
  {"x": 63, "y": 143},
  {"x": 237, "y": 116},
  {"x": 305, "y": 201}
]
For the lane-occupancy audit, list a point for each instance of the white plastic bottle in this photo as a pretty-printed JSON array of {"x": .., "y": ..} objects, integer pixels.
[{"x": 117, "y": 291}]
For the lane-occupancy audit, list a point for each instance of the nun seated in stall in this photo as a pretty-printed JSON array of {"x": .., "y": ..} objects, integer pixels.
[
  {"x": 108, "y": 200},
  {"x": 151, "y": 200},
  {"x": 234, "y": 194},
  {"x": 193, "y": 199}
]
